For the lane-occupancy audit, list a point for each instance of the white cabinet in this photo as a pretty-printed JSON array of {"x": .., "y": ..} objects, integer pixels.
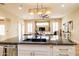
[
  {"x": 1, "y": 50},
  {"x": 34, "y": 50},
  {"x": 64, "y": 50},
  {"x": 46, "y": 50}
]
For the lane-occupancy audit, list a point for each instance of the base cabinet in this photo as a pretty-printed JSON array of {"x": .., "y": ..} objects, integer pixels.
[
  {"x": 33, "y": 50},
  {"x": 64, "y": 50},
  {"x": 38, "y": 50},
  {"x": 44, "y": 50}
]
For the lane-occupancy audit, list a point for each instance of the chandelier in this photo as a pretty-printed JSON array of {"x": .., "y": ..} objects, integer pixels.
[{"x": 40, "y": 10}]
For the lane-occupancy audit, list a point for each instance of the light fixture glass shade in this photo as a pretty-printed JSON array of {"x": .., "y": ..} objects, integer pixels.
[{"x": 39, "y": 11}]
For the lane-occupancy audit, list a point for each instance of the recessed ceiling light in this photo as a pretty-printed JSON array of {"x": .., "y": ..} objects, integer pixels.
[{"x": 62, "y": 5}]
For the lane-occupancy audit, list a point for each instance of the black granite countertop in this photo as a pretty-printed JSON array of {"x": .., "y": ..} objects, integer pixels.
[{"x": 15, "y": 40}]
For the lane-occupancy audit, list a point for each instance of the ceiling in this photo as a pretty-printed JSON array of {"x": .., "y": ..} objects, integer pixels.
[{"x": 57, "y": 9}]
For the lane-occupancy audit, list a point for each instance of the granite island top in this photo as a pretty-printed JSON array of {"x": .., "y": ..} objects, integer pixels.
[{"x": 15, "y": 40}]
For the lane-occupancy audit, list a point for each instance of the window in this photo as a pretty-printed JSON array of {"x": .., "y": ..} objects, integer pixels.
[
  {"x": 2, "y": 29},
  {"x": 55, "y": 29},
  {"x": 55, "y": 26},
  {"x": 29, "y": 27}
]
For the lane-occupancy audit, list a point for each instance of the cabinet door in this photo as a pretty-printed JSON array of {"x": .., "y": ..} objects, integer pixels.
[
  {"x": 64, "y": 50},
  {"x": 1, "y": 50}
]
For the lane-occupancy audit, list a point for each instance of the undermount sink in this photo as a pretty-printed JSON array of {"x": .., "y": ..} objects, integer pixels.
[{"x": 35, "y": 39}]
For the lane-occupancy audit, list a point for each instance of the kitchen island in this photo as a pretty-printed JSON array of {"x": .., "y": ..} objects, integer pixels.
[{"x": 14, "y": 47}]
